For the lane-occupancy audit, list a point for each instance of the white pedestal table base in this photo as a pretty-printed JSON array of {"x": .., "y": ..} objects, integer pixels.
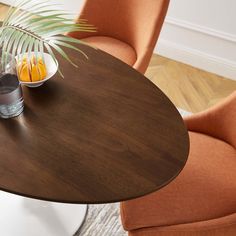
[{"x": 29, "y": 217}]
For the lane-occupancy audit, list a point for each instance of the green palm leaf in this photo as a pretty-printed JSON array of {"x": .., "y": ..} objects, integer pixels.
[
  {"x": 37, "y": 28},
  {"x": 60, "y": 43}
]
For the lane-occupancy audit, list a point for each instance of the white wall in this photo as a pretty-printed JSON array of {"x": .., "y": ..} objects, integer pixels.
[
  {"x": 215, "y": 14},
  {"x": 201, "y": 33}
]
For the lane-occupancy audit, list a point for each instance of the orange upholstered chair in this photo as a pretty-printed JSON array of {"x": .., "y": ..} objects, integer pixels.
[
  {"x": 126, "y": 29},
  {"x": 201, "y": 201}
]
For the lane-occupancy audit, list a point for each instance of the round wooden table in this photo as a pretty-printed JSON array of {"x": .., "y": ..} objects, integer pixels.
[{"x": 103, "y": 134}]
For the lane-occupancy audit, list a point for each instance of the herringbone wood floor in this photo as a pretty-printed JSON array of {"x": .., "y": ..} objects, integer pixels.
[{"x": 188, "y": 88}]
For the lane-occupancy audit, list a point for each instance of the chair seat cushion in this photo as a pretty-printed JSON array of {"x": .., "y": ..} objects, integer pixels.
[
  {"x": 204, "y": 190},
  {"x": 115, "y": 47}
]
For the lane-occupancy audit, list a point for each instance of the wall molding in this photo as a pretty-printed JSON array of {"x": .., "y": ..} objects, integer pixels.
[
  {"x": 199, "y": 59},
  {"x": 201, "y": 29}
]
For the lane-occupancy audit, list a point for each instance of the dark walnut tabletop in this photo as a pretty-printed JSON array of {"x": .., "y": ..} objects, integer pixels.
[{"x": 102, "y": 134}]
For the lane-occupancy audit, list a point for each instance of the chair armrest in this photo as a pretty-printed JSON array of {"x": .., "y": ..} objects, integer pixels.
[{"x": 218, "y": 121}]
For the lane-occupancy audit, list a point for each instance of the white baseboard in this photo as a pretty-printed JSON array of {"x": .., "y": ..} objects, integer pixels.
[
  {"x": 197, "y": 59},
  {"x": 195, "y": 52},
  {"x": 200, "y": 29}
]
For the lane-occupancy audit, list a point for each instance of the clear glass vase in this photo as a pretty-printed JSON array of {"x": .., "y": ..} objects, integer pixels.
[{"x": 11, "y": 99}]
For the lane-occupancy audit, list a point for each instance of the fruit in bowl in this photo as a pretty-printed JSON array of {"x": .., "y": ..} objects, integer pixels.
[
  {"x": 29, "y": 28},
  {"x": 34, "y": 72}
]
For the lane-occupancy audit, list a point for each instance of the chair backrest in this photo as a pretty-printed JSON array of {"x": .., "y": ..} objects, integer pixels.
[
  {"x": 218, "y": 121},
  {"x": 135, "y": 22}
]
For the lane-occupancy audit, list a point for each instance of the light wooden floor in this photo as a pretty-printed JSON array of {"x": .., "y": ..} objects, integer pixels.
[
  {"x": 189, "y": 88},
  {"x": 3, "y": 11}
]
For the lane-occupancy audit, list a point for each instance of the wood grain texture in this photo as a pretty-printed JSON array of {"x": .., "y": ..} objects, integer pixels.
[
  {"x": 3, "y": 11},
  {"x": 188, "y": 88},
  {"x": 105, "y": 133}
]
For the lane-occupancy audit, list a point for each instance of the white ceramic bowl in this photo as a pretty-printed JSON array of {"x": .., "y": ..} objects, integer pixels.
[{"x": 51, "y": 67}]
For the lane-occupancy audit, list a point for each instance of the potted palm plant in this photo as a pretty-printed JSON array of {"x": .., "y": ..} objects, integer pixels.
[{"x": 30, "y": 30}]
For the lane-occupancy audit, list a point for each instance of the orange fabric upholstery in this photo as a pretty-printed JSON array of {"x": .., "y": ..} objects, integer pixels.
[
  {"x": 201, "y": 201},
  {"x": 136, "y": 23},
  {"x": 114, "y": 47},
  {"x": 219, "y": 121},
  {"x": 224, "y": 226}
]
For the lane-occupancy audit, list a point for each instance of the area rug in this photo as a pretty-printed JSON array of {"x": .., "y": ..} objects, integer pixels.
[{"x": 104, "y": 219}]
